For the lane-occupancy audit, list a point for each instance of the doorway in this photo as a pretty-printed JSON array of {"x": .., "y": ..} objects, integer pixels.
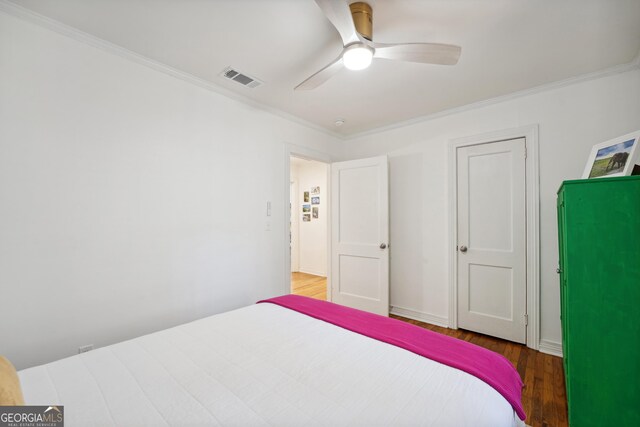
[
  {"x": 308, "y": 227},
  {"x": 357, "y": 227}
]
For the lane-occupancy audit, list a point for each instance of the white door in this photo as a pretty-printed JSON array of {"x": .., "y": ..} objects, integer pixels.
[
  {"x": 491, "y": 253},
  {"x": 360, "y": 234}
]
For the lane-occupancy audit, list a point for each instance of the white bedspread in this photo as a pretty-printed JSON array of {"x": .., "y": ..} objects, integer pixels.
[{"x": 262, "y": 365}]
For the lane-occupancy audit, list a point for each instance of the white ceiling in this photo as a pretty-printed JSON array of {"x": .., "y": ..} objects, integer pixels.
[{"x": 507, "y": 46}]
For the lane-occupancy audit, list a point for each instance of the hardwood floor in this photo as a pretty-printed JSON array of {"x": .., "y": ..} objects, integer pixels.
[
  {"x": 309, "y": 285},
  {"x": 543, "y": 396}
]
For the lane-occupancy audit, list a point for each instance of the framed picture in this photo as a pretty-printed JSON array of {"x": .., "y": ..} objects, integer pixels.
[
  {"x": 314, "y": 212},
  {"x": 315, "y": 200},
  {"x": 306, "y": 208},
  {"x": 615, "y": 157},
  {"x": 306, "y": 197},
  {"x": 315, "y": 191},
  {"x": 306, "y": 217}
]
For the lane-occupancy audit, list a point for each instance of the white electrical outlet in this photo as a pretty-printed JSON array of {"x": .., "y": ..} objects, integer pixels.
[{"x": 85, "y": 348}]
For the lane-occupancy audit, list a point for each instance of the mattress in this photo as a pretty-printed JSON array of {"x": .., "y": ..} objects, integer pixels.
[{"x": 262, "y": 365}]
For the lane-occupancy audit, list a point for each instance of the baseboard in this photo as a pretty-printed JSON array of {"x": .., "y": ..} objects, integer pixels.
[
  {"x": 550, "y": 347},
  {"x": 420, "y": 316}
]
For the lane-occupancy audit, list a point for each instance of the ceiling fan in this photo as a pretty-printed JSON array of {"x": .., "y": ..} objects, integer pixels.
[{"x": 354, "y": 22}]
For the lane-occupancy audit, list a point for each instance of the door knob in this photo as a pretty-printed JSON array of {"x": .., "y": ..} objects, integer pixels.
[
  {"x": 383, "y": 245},
  {"x": 463, "y": 249}
]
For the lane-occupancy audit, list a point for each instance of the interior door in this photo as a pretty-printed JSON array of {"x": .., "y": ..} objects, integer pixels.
[
  {"x": 360, "y": 234},
  {"x": 491, "y": 252}
]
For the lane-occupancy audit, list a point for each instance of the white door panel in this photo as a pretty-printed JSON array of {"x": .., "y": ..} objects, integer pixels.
[
  {"x": 360, "y": 277},
  {"x": 492, "y": 239},
  {"x": 360, "y": 225},
  {"x": 489, "y": 202}
]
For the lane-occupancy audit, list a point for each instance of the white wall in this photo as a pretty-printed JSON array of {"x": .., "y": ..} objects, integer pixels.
[
  {"x": 130, "y": 201},
  {"x": 571, "y": 120},
  {"x": 312, "y": 235}
]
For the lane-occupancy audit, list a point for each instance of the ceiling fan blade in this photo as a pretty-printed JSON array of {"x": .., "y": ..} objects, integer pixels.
[
  {"x": 321, "y": 76},
  {"x": 426, "y": 53},
  {"x": 339, "y": 14}
]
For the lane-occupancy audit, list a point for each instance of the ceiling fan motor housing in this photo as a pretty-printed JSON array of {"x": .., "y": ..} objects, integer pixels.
[{"x": 362, "y": 18}]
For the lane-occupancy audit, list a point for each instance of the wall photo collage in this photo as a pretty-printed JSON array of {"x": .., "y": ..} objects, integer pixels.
[{"x": 311, "y": 197}]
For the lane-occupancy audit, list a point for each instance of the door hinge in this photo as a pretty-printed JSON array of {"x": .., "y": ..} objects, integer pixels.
[{"x": 526, "y": 319}]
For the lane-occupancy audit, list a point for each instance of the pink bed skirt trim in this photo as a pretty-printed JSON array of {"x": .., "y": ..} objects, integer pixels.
[{"x": 492, "y": 368}]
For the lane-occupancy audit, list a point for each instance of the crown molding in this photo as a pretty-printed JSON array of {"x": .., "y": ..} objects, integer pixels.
[
  {"x": 28, "y": 15},
  {"x": 617, "y": 69},
  {"x": 91, "y": 40}
]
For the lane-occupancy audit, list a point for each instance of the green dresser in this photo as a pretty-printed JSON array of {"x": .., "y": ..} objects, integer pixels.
[{"x": 599, "y": 236}]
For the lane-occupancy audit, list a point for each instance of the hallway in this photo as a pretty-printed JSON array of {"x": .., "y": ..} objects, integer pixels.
[{"x": 309, "y": 285}]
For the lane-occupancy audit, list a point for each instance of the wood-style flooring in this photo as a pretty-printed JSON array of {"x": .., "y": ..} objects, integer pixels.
[
  {"x": 309, "y": 285},
  {"x": 543, "y": 396}
]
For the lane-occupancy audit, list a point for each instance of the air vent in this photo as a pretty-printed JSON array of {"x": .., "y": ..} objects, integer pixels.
[{"x": 241, "y": 78}]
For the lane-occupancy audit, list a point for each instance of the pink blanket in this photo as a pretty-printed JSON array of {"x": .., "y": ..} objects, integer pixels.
[{"x": 492, "y": 368}]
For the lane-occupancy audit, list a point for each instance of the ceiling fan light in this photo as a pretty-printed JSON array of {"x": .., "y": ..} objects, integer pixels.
[{"x": 357, "y": 57}]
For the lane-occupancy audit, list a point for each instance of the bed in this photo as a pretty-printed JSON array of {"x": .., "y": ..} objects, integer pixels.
[{"x": 266, "y": 364}]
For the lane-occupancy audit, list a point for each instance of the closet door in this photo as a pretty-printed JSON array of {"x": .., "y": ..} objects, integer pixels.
[{"x": 491, "y": 229}]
